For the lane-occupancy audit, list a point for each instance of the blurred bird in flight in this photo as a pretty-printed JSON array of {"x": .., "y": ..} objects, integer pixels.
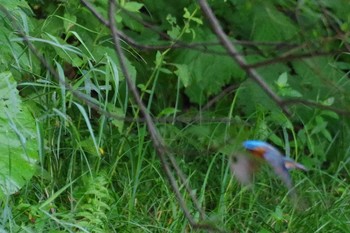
[{"x": 244, "y": 166}]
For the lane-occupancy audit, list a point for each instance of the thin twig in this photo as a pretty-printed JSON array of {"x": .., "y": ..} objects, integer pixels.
[
  {"x": 200, "y": 46},
  {"x": 95, "y": 13},
  {"x": 222, "y": 94},
  {"x": 295, "y": 101},
  {"x": 291, "y": 57}
]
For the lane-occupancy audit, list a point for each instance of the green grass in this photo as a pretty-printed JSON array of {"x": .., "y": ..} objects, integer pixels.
[
  {"x": 124, "y": 190},
  {"x": 96, "y": 176}
]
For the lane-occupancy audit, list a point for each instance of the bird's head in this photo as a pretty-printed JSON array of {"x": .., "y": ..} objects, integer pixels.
[{"x": 256, "y": 147}]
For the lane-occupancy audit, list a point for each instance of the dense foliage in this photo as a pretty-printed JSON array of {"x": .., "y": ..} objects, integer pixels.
[{"x": 76, "y": 155}]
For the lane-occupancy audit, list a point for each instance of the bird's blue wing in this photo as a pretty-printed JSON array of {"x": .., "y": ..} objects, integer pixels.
[
  {"x": 276, "y": 160},
  {"x": 253, "y": 144}
]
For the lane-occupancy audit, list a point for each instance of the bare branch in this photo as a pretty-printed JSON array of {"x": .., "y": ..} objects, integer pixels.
[
  {"x": 204, "y": 46},
  {"x": 231, "y": 49},
  {"x": 291, "y": 57},
  {"x": 95, "y": 13},
  {"x": 295, "y": 101},
  {"x": 155, "y": 137},
  {"x": 158, "y": 143}
]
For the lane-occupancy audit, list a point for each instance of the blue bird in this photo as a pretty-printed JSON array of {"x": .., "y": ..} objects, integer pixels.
[{"x": 245, "y": 166}]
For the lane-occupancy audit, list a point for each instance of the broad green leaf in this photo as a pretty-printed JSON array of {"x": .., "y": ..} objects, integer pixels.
[
  {"x": 129, "y": 21},
  {"x": 18, "y": 145},
  {"x": 270, "y": 24},
  {"x": 206, "y": 73}
]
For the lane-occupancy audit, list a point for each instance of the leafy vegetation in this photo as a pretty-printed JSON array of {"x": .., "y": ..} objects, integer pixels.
[{"x": 76, "y": 155}]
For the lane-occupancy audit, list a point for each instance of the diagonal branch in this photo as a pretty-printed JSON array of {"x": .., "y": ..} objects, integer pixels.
[
  {"x": 233, "y": 52},
  {"x": 158, "y": 143}
]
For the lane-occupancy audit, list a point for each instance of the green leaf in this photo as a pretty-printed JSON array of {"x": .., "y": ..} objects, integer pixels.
[
  {"x": 143, "y": 88},
  {"x": 320, "y": 126},
  {"x": 330, "y": 114},
  {"x": 119, "y": 123},
  {"x": 188, "y": 15},
  {"x": 282, "y": 80},
  {"x": 329, "y": 101},
  {"x": 327, "y": 135},
  {"x": 270, "y": 24},
  {"x": 183, "y": 73},
  {"x": 12, "y": 5},
  {"x": 18, "y": 138},
  {"x": 69, "y": 21},
  {"x": 167, "y": 112},
  {"x": 174, "y": 32},
  {"x": 278, "y": 214},
  {"x": 206, "y": 73},
  {"x": 294, "y": 93},
  {"x": 133, "y": 6},
  {"x": 159, "y": 59}
]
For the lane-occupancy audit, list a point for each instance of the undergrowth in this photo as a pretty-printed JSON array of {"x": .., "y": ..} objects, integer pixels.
[{"x": 97, "y": 173}]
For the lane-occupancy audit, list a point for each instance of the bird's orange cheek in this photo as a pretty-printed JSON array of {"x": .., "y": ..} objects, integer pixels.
[{"x": 258, "y": 152}]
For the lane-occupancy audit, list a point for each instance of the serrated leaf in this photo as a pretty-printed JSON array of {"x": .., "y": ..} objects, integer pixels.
[
  {"x": 207, "y": 73},
  {"x": 18, "y": 138}
]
